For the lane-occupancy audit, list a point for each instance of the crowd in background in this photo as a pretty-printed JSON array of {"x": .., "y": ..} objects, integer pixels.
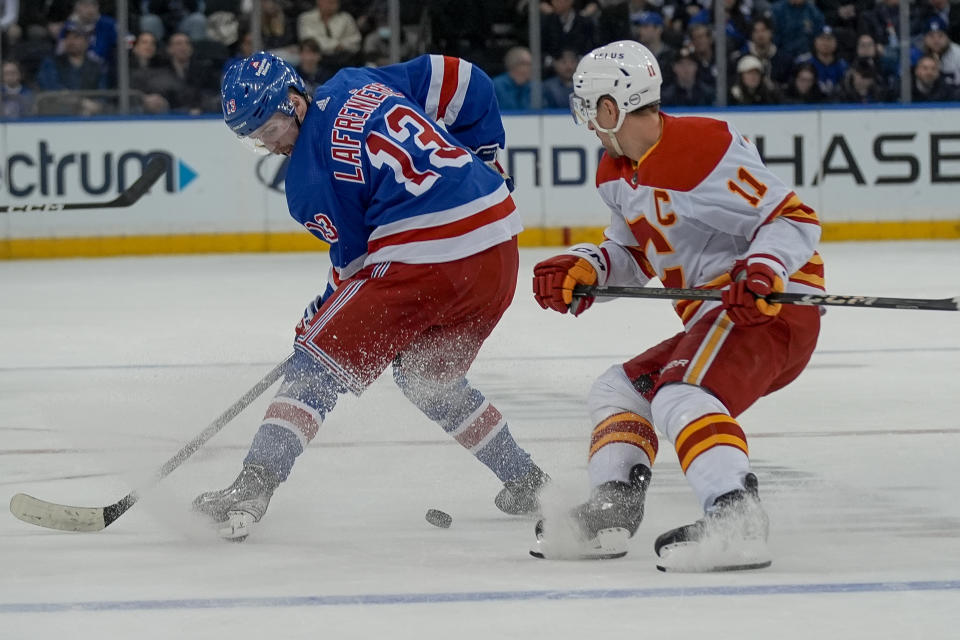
[{"x": 59, "y": 56}]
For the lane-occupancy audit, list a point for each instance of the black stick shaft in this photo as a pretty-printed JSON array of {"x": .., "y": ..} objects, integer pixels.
[
  {"x": 155, "y": 168},
  {"x": 115, "y": 510},
  {"x": 945, "y": 304}
]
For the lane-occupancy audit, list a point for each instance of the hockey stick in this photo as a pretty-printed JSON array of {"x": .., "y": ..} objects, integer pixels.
[
  {"x": 155, "y": 168},
  {"x": 65, "y": 518},
  {"x": 945, "y": 304}
]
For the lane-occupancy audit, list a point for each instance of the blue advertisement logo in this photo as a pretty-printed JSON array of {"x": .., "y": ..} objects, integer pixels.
[{"x": 47, "y": 174}]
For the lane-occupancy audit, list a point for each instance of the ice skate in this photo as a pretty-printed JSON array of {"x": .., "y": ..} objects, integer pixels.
[
  {"x": 601, "y": 527},
  {"x": 520, "y": 497},
  {"x": 233, "y": 510},
  {"x": 732, "y": 536}
]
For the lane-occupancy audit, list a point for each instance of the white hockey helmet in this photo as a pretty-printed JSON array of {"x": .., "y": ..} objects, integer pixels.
[{"x": 625, "y": 70}]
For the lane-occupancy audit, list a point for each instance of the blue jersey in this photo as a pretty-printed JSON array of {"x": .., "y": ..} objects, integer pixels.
[{"x": 385, "y": 166}]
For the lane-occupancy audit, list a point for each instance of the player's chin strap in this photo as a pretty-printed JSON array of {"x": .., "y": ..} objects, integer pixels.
[{"x": 612, "y": 132}]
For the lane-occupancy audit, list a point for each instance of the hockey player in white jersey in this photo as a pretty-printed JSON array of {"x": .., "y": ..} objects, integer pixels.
[
  {"x": 694, "y": 206},
  {"x": 392, "y": 168}
]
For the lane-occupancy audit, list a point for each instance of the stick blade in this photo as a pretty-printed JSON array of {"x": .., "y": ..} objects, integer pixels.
[{"x": 56, "y": 516}]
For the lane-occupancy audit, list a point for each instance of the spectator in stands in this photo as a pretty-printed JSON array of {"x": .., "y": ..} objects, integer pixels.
[
  {"x": 310, "y": 68},
  {"x": 513, "y": 85},
  {"x": 161, "y": 17},
  {"x": 374, "y": 15},
  {"x": 648, "y": 31},
  {"x": 56, "y": 13},
  {"x": 16, "y": 100},
  {"x": 461, "y": 28},
  {"x": 334, "y": 30},
  {"x": 243, "y": 48},
  {"x": 613, "y": 20},
  {"x": 101, "y": 29},
  {"x": 860, "y": 85},
  {"x": 76, "y": 68},
  {"x": 278, "y": 28},
  {"x": 843, "y": 16},
  {"x": 31, "y": 51},
  {"x": 830, "y": 68},
  {"x": 557, "y": 88},
  {"x": 797, "y": 23},
  {"x": 701, "y": 39},
  {"x": 937, "y": 43},
  {"x": 9, "y": 14},
  {"x": 11, "y": 37},
  {"x": 687, "y": 10},
  {"x": 738, "y": 24},
  {"x": 143, "y": 53},
  {"x": 223, "y": 31},
  {"x": 376, "y": 43},
  {"x": 928, "y": 84},
  {"x": 883, "y": 23},
  {"x": 188, "y": 83},
  {"x": 942, "y": 9},
  {"x": 803, "y": 87},
  {"x": 887, "y": 71},
  {"x": 776, "y": 64},
  {"x": 369, "y": 15},
  {"x": 752, "y": 86},
  {"x": 563, "y": 27},
  {"x": 686, "y": 89},
  {"x": 144, "y": 66}
]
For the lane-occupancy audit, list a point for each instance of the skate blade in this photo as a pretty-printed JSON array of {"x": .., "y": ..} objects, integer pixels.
[
  {"x": 237, "y": 526},
  {"x": 699, "y": 558},
  {"x": 608, "y": 545}
]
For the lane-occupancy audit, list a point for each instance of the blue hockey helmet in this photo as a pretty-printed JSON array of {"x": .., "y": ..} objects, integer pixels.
[{"x": 255, "y": 88}]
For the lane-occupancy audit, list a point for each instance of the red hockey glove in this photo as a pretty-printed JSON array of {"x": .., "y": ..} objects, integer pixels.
[
  {"x": 744, "y": 300},
  {"x": 555, "y": 278}
]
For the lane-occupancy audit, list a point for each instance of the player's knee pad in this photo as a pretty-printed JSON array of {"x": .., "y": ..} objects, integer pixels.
[
  {"x": 623, "y": 434},
  {"x": 306, "y": 380},
  {"x": 677, "y": 405},
  {"x": 613, "y": 393},
  {"x": 711, "y": 447},
  {"x": 442, "y": 402}
]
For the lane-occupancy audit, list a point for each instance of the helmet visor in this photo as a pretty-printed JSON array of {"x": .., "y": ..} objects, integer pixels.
[
  {"x": 276, "y": 135},
  {"x": 254, "y": 145},
  {"x": 578, "y": 108}
]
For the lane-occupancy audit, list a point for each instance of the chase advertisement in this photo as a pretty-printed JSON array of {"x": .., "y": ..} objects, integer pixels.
[{"x": 851, "y": 165}]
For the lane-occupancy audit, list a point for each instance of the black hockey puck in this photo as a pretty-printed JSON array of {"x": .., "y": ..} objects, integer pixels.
[{"x": 439, "y": 518}]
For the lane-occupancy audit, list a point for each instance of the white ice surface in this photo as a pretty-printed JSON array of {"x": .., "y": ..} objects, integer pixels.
[{"x": 108, "y": 366}]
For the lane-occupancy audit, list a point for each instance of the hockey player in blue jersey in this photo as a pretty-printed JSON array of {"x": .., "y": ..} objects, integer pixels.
[{"x": 390, "y": 167}]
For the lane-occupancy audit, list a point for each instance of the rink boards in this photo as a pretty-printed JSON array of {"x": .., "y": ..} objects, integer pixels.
[{"x": 884, "y": 173}]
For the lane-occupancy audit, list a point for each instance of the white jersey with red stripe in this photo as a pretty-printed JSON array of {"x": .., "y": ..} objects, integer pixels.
[
  {"x": 386, "y": 165},
  {"x": 700, "y": 199}
]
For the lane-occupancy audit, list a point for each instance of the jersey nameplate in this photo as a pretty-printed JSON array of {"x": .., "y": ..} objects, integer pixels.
[{"x": 346, "y": 136}]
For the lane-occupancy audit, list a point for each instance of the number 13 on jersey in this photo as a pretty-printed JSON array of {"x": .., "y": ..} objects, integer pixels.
[{"x": 401, "y": 121}]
